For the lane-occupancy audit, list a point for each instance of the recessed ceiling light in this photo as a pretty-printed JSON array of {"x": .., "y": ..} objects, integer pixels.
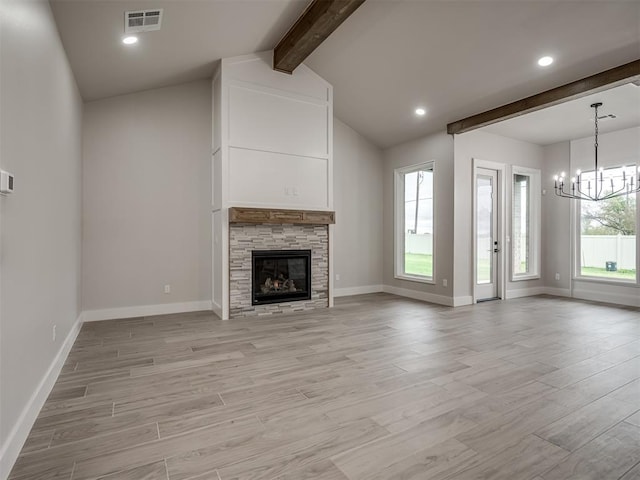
[
  {"x": 545, "y": 61},
  {"x": 130, "y": 40},
  {"x": 420, "y": 111}
]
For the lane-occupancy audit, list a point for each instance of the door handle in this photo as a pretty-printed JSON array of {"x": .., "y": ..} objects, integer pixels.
[{"x": 496, "y": 250}]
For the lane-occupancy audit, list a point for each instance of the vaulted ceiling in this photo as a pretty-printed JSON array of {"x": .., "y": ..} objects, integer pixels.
[
  {"x": 194, "y": 36},
  {"x": 454, "y": 58}
]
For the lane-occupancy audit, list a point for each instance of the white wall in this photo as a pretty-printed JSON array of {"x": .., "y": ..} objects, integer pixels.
[
  {"x": 617, "y": 148},
  {"x": 438, "y": 147},
  {"x": 556, "y": 234},
  {"x": 357, "y": 241},
  {"x": 40, "y": 143},
  {"x": 147, "y": 188}
]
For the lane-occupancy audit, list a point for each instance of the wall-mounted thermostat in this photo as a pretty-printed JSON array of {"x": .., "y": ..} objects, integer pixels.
[{"x": 6, "y": 182}]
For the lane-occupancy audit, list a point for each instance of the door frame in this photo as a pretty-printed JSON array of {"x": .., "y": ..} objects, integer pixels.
[{"x": 501, "y": 170}]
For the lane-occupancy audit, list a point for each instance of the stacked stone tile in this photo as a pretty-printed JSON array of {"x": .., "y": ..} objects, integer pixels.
[{"x": 244, "y": 238}]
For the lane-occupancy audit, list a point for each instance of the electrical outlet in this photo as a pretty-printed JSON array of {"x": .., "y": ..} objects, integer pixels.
[
  {"x": 53, "y": 339},
  {"x": 337, "y": 277},
  {"x": 445, "y": 282},
  {"x": 167, "y": 289},
  {"x": 557, "y": 276}
]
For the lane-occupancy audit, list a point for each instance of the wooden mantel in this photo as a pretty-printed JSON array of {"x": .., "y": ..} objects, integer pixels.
[{"x": 278, "y": 216}]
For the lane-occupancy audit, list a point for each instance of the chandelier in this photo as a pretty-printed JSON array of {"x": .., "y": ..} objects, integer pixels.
[{"x": 596, "y": 185}]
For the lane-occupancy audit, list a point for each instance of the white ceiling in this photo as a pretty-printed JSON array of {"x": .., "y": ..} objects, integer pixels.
[
  {"x": 455, "y": 58},
  {"x": 195, "y": 34},
  {"x": 574, "y": 119}
]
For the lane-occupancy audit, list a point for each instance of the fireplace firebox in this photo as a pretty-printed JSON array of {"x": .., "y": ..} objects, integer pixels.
[{"x": 280, "y": 276}]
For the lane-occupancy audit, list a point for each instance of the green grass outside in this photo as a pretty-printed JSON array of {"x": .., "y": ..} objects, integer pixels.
[
  {"x": 418, "y": 264},
  {"x": 602, "y": 272}
]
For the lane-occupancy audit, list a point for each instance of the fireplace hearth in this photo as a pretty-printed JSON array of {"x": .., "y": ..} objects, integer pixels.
[{"x": 280, "y": 276}]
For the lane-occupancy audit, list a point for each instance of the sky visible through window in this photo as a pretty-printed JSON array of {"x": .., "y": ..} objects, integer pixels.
[{"x": 418, "y": 189}]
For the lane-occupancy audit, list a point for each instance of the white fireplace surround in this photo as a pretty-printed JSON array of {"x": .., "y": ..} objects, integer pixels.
[{"x": 272, "y": 149}]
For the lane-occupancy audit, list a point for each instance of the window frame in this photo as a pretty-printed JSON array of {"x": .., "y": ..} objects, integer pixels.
[
  {"x": 577, "y": 242},
  {"x": 399, "y": 215},
  {"x": 535, "y": 224}
]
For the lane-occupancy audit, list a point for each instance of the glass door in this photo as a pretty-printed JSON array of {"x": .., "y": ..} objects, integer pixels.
[{"x": 487, "y": 244}]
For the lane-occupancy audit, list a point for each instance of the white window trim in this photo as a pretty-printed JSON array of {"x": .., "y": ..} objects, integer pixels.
[
  {"x": 535, "y": 223},
  {"x": 576, "y": 213},
  {"x": 398, "y": 224}
]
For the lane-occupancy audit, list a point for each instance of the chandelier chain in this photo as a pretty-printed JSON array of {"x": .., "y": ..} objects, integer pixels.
[{"x": 626, "y": 186}]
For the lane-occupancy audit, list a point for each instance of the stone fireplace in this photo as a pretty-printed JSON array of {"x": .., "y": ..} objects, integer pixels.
[{"x": 268, "y": 250}]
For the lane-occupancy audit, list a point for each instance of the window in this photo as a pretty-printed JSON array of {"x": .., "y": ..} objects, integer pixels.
[
  {"x": 414, "y": 223},
  {"x": 525, "y": 224},
  {"x": 608, "y": 235}
]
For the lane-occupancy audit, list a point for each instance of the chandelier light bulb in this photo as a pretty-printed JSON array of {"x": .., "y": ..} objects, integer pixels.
[{"x": 578, "y": 172}]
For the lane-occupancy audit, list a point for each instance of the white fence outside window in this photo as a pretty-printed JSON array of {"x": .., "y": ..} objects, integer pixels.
[
  {"x": 597, "y": 250},
  {"x": 419, "y": 243}
]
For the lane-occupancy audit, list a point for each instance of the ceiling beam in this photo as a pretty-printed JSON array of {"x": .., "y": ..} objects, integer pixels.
[
  {"x": 580, "y": 88},
  {"x": 315, "y": 24}
]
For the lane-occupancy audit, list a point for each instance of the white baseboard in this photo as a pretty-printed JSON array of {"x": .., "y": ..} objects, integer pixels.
[
  {"x": 525, "y": 292},
  {"x": 607, "y": 297},
  {"x": 557, "y": 292},
  {"x": 145, "y": 310},
  {"x": 217, "y": 309},
  {"x": 597, "y": 295},
  {"x": 424, "y": 296},
  {"x": 346, "y": 292},
  {"x": 18, "y": 435},
  {"x": 462, "y": 301}
]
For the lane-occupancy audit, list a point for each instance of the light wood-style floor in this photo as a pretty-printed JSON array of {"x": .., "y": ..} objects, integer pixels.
[{"x": 378, "y": 388}]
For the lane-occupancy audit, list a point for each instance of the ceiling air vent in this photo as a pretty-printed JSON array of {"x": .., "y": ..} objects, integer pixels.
[{"x": 142, "y": 21}]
